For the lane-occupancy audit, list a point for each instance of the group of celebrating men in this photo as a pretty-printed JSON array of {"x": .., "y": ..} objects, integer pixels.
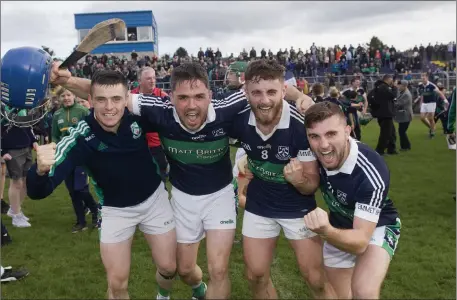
[{"x": 343, "y": 254}]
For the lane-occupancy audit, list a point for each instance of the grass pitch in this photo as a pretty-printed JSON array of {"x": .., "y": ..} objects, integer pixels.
[{"x": 68, "y": 266}]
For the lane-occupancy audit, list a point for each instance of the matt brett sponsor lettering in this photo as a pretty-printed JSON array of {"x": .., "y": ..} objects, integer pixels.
[{"x": 197, "y": 152}]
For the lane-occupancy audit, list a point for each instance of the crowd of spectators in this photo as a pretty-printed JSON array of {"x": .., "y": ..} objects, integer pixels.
[{"x": 314, "y": 62}]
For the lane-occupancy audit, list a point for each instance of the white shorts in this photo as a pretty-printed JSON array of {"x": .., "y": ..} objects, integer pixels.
[
  {"x": 385, "y": 237},
  {"x": 428, "y": 107},
  {"x": 255, "y": 226},
  {"x": 154, "y": 216},
  {"x": 196, "y": 214}
]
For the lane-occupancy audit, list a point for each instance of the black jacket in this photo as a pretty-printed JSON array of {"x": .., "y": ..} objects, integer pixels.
[{"x": 383, "y": 103}]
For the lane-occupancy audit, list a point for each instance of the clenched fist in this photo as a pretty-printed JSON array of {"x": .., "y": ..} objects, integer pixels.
[
  {"x": 293, "y": 172},
  {"x": 303, "y": 103},
  {"x": 7, "y": 156},
  {"x": 59, "y": 76},
  {"x": 243, "y": 167},
  {"x": 317, "y": 221},
  {"x": 45, "y": 157}
]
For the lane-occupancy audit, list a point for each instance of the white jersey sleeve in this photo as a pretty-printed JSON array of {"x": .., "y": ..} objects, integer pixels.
[{"x": 239, "y": 154}]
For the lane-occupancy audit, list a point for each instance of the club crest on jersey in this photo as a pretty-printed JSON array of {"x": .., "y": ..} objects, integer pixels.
[
  {"x": 218, "y": 132},
  {"x": 136, "y": 130},
  {"x": 341, "y": 197},
  {"x": 74, "y": 120},
  {"x": 283, "y": 153}
]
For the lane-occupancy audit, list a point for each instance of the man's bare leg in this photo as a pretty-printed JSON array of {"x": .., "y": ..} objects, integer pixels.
[
  {"x": 258, "y": 255},
  {"x": 188, "y": 270},
  {"x": 310, "y": 261},
  {"x": 340, "y": 279},
  {"x": 431, "y": 120},
  {"x": 369, "y": 273},
  {"x": 2, "y": 180},
  {"x": 23, "y": 190},
  {"x": 219, "y": 244},
  {"x": 116, "y": 259},
  {"x": 425, "y": 120},
  {"x": 163, "y": 250},
  {"x": 14, "y": 195}
]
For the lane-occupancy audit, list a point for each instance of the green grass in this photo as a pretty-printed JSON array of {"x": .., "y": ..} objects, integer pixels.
[{"x": 65, "y": 265}]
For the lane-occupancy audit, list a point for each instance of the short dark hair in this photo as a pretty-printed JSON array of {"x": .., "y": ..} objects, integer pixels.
[
  {"x": 108, "y": 78},
  {"x": 351, "y": 94},
  {"x": 318, "y": 89},
  {"x": 354, "y": 79},
  {"x": 264, "y": 69},
  {"x": 386, "y": 77},
  {"x": 322, "y": 111},
  {"x": 190, "y": 71}
]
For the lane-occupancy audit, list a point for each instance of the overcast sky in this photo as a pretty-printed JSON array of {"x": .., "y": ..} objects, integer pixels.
[{"x": 232, "y": 26}]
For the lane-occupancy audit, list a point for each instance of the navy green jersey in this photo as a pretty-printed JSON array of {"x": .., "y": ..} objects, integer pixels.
[
  {"x": 120, "y": 164},
  {"x": 360, "y": 92},
  {"x": 359, "y": 99},
  {"x": 269, "y": 194},
  {"x": 199, "y": 161},
  {"x": 343, "y": 104},
  {"x": 359, "y": 188},
  {"x": 428, "y": 92},
  {"x": 440, "y": 104}
]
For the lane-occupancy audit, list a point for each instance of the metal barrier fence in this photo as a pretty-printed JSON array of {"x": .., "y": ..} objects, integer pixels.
[
  {"x": 166, "y": 86},
  {"x": 448, "y": 79}
]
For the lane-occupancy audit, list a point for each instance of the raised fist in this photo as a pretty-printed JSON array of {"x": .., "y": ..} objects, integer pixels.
[
  {"x": 293, "y": 172},
  {"x": 45, "y": 157},
  {"x": 59, "y": 76}
]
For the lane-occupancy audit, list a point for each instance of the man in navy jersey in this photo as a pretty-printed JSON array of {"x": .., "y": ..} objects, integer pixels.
[
  {"x": 286, "y": 175},
  {"x": 427, "y": 97},
  {"x": 362, "y": 231},
  {"x": 111, "y": 144},
  {"x": 193, "y": 131}
]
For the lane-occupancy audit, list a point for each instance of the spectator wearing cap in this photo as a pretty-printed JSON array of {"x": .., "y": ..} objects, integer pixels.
[{"x": 404, "y": 114}]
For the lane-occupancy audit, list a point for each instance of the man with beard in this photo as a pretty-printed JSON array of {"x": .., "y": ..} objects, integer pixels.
[
  {"x": 272, "y": 133},
  {"x": 362, "y": 231},
  {"x": 193, "y": 130}
]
